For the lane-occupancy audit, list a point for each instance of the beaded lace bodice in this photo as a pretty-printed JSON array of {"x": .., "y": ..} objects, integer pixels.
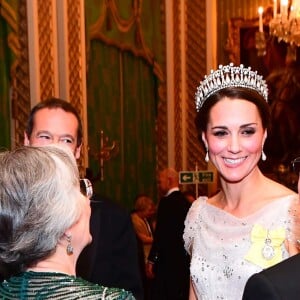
[
  {"x": 42, "y": 285},
  {"x": 219, "y": 244}
]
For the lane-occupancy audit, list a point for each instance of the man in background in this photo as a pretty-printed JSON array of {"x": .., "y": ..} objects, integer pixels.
[
  {"x": 168, "y": 261},
  {"x": 111, "y": 259}
]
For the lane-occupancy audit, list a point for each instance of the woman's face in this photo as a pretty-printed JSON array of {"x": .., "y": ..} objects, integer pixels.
[
  {"x": 234, "y": 138},
  {"x": 82, "y": 226}
]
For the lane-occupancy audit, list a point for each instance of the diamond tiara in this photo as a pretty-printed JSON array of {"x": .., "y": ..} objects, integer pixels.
[{"x": 230, "y": 76}]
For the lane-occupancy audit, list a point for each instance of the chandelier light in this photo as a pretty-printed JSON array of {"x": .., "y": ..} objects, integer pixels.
[
  {"x": 285, "y": 24},
  {"x": 260, "y": 40}
]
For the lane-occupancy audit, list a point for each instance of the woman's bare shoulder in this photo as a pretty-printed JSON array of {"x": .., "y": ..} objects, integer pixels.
[{"x": 274, "y": 191}]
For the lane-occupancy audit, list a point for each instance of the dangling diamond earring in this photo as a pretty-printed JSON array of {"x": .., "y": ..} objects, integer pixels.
[
  {"x": 70, "y": 248},
  {"x": 206, "y": 156},
  {"x": 263, "y": 155}
]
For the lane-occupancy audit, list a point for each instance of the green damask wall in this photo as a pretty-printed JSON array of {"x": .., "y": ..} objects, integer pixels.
[
  {"x": 8, "y": 26},
  {"x": 124, "y": 73}
]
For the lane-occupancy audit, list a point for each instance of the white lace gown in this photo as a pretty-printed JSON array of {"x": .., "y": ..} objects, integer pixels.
[{"x": 219, "y": 244}]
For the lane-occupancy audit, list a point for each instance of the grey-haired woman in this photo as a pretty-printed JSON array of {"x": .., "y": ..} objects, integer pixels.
[{"x": 44, "y": 225}]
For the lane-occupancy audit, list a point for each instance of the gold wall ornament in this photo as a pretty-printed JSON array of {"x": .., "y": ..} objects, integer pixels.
[{"x": 107, "y": 151}]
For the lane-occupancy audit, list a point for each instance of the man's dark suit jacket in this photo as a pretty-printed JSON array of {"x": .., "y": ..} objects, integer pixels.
[
  {"x": 171, "y": 262},
  {"x": 280, "y": 282},
  {"x": 111, "y": 259}
]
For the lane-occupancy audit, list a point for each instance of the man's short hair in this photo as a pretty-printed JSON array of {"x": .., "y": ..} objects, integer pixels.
[{"x": 53, "y": 103}]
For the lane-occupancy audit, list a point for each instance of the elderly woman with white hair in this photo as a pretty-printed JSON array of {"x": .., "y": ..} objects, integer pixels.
[{"x": 44, "y": 226}]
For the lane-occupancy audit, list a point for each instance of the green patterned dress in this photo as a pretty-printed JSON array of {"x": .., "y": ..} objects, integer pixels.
[{"x": 51, "y": 285}]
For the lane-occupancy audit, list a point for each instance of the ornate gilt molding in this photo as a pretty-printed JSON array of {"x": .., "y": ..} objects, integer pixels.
[
  {"x": 47, "y": 44},
  {"x": 178, "y": 35},
  {"x": 162, "y": 128},
  {"x": 21, "y": 84},
  {"x": 187, "y": 148},
  {"x": 76, "y": 68},
  {"x": 45, "y": 51},
  {"x": 195, "y": 69}
]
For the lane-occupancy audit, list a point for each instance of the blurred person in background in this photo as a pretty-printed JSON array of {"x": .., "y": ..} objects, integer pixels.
[
  {"x": 144, "y": 210},
  {"x": 168, "y": 262}
]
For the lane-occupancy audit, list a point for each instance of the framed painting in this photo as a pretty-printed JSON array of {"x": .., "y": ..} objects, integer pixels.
[{"x": 242, "y": 45}]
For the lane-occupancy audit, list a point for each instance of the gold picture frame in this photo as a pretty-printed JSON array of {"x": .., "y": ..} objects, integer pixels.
[{"x": 233, "y": 44}]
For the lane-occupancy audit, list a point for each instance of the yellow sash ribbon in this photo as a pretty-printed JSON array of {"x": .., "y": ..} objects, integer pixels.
[{"x": 263, "y": 239}]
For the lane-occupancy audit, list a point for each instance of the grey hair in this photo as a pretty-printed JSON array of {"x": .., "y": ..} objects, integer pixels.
[{"x": 39, "y": 200}]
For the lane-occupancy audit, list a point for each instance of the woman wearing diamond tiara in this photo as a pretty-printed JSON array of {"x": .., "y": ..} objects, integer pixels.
[
  {"x": 44, "y": 222},
  {"x": 248, "y": 225}
]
